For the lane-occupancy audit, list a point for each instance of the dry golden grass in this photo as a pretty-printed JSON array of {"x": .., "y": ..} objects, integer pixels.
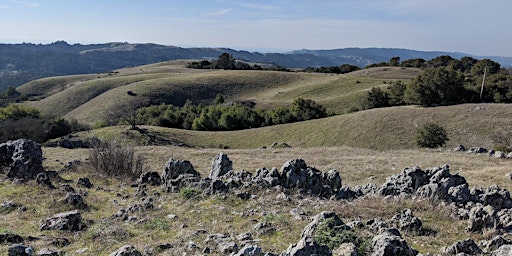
[
  {"x": 88, "y": 98},
  {"x": 231, "y": 215}
]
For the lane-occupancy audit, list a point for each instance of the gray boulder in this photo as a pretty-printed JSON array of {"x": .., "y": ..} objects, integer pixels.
[
  {"x": 227, "y": 247},
  {"x": 250, "y": 250},
  {"x": 84, "y": 182},
  {"x": 390, "y": 243},
  {"x": 307, "y": 247},
  {"x": 467, "y": 246},
  {"x": 310, "y": 229},
  {"x": 47, "y": 252},
  {"x": 495, "y": 243},
  {"x": 9, "y": 238},
  {"x": 20, "y": 250},
  {"x": 126, "y": 250},
  {"x": 179, "y": 173},
  {"x": 406, "y": 221},
  {"x": 76, "y": 201},
  {"x": 509, "y": 155},
  {"x": 22, "y": 158},
  {"x": 295, "y": 174},
  {"x": 505, "y": 250},
  {"x": 477, "y": 150},
  {"x": 151, "y": 178},
  {"x": 405, "y": 183},
  {"x": 481, "y": 218},
  {"x": 71, "y": 220},
  {"x": 459, "y": 148},
  {"x": 220, "y": 166}
]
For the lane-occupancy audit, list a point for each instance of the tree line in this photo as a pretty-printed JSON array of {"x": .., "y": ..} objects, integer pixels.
[
  {"x": 223, "y": 116},
  {"x": 446, "y": 81}
]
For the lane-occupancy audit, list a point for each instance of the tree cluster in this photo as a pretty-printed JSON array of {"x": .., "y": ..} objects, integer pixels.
[
  {"x": 227, "y": 117},
  {"x": 227, "y": 62},
  {"x": 22, "y": 122},
  {"x": 343, "y": 69},
  {"x": 446, "y": 81}
]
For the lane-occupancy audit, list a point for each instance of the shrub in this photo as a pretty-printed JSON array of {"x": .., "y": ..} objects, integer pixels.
[
  {"x": 189, "y": 192},
  {"x": 114, "y": 159},
  {"x": 431, "y": 136},
  {"x": 332, "y": 235}
]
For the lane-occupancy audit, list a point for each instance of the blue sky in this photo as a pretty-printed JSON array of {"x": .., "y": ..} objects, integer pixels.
[{"x": 479, "y": 27}]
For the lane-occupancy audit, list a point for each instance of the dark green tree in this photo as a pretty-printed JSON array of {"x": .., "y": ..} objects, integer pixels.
[
  {"x": 396, "y": 93},
  {"x": 395, "y": 61},
  {"x": 225, "y": 61},
  {"x": 306, "y": 109},
  {"x": 376, "y": 98},
  {"x": 436, "y": 87},
  {"x": 431, "y": 135}
]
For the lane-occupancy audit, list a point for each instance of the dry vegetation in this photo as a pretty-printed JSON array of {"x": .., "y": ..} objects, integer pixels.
[{"x": 231, "y": 215}]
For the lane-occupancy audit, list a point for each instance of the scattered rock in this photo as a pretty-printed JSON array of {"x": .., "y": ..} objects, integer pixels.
[
  {"x": 126, "y": 250},
  {"x": 43, "y": 178},
  {"x": 280, "y": 145},
  {"x": 228, "y": 247},
  {"x": 504, "y": 250},
  {"x": 20, "y": 250},
  {"x": 390, "y": 242},
  {"x": 495, "y": 243},
  {"x": 307, "y": 246},
  {"x": 467, "y": 246},
  {"x": 8, "y": 238},
  {"x": 47, "y": 252},
  {"x": 71, "y": 220},
  {"x": 84, "y": 182},
  {"x": 250, "y": 250},
  {"x": 477, "y": 150},
  {"x": 151, "y": 178},
  {"x": 76, "y": 201},
  {"x": 406, "y": 221},
  {"x": 178, "y": 174},
  {"x": 459, "y": 148}
]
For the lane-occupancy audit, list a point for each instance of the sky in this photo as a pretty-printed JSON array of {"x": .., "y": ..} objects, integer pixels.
[{"x": 477, "y": 27}]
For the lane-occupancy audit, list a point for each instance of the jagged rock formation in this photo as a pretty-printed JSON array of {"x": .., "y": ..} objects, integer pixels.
[{"x": 22, "y": 158}]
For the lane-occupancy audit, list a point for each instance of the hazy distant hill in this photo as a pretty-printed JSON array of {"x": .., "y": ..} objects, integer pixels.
[{"x": 20, "y": 63}]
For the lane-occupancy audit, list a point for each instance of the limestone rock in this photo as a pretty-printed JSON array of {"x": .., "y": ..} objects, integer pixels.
[
  {"x": 76, "y": 201},
  {"x": 20, "y": 250},
  {"x": 71, "y": 220},
  {"x": 151, "y": 178},
  {"x": 389, "y": 243},
  {"x": 126, "y": 250},
  {"x": 467, "y": 246},
  {"x": 220, "y": 166},
  {"x": 23, "y": 159}
]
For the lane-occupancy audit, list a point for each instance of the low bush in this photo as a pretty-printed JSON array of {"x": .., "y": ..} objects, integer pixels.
[
  {"x": 431, "y": 136},
  {"x": 115, "y": 159}
]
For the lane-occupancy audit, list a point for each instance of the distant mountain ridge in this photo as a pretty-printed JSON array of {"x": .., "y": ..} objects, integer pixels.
[{"x": 21, "y": 63}]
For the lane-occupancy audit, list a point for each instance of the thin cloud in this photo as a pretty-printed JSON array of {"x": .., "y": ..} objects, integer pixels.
[
  {"x": 25, "y": 3},
  {"x": 261, "y": 7},
  {"x": 219, "y": 12}
]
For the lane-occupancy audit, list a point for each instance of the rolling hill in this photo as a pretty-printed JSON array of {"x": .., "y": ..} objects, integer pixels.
[
  {"x": 89, "y": 98},
  {"x": 21, "y": 63}
]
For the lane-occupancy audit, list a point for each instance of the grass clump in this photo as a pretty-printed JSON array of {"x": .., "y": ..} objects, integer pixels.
[
  {"x": 115, "y": 159},
  {"x": 189, "y": 193}
]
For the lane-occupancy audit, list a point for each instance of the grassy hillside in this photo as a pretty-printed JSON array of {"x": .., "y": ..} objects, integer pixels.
[
  {"x": 88, "y": 98},
  {"x": 382, "y": 129}
]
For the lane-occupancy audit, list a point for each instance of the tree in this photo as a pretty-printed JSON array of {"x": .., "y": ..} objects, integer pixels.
[
  {"x": 219, "y": 99},
  {"x": 225, "y": 61},
  {"x": 126, "y": 111},
  {"x": 376, "y": 98},
  {"x": 395, "y": 61},
  {"x": 306, "y": 109},
  {"x": 431, "y": 135},
  {"x": 436, "y": 87},
  {"x": 347, "y": 68},
  {"x": 396, "y": 93},
  {"x": 491, "y": 66}
]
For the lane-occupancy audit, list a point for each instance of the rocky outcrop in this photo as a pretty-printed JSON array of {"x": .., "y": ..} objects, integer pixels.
[
  {"x": 84, "y": 182},
  {"x": 71, "y": 220},
  {"x": 179, "y": 173},
  {"x": 389, "y": 243},
  {"x": 22, "y": 158},
  {"x": 8, "y": 238},
  {"x": 126, "y": 250},
  {"x": 220, "y": 166}
]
